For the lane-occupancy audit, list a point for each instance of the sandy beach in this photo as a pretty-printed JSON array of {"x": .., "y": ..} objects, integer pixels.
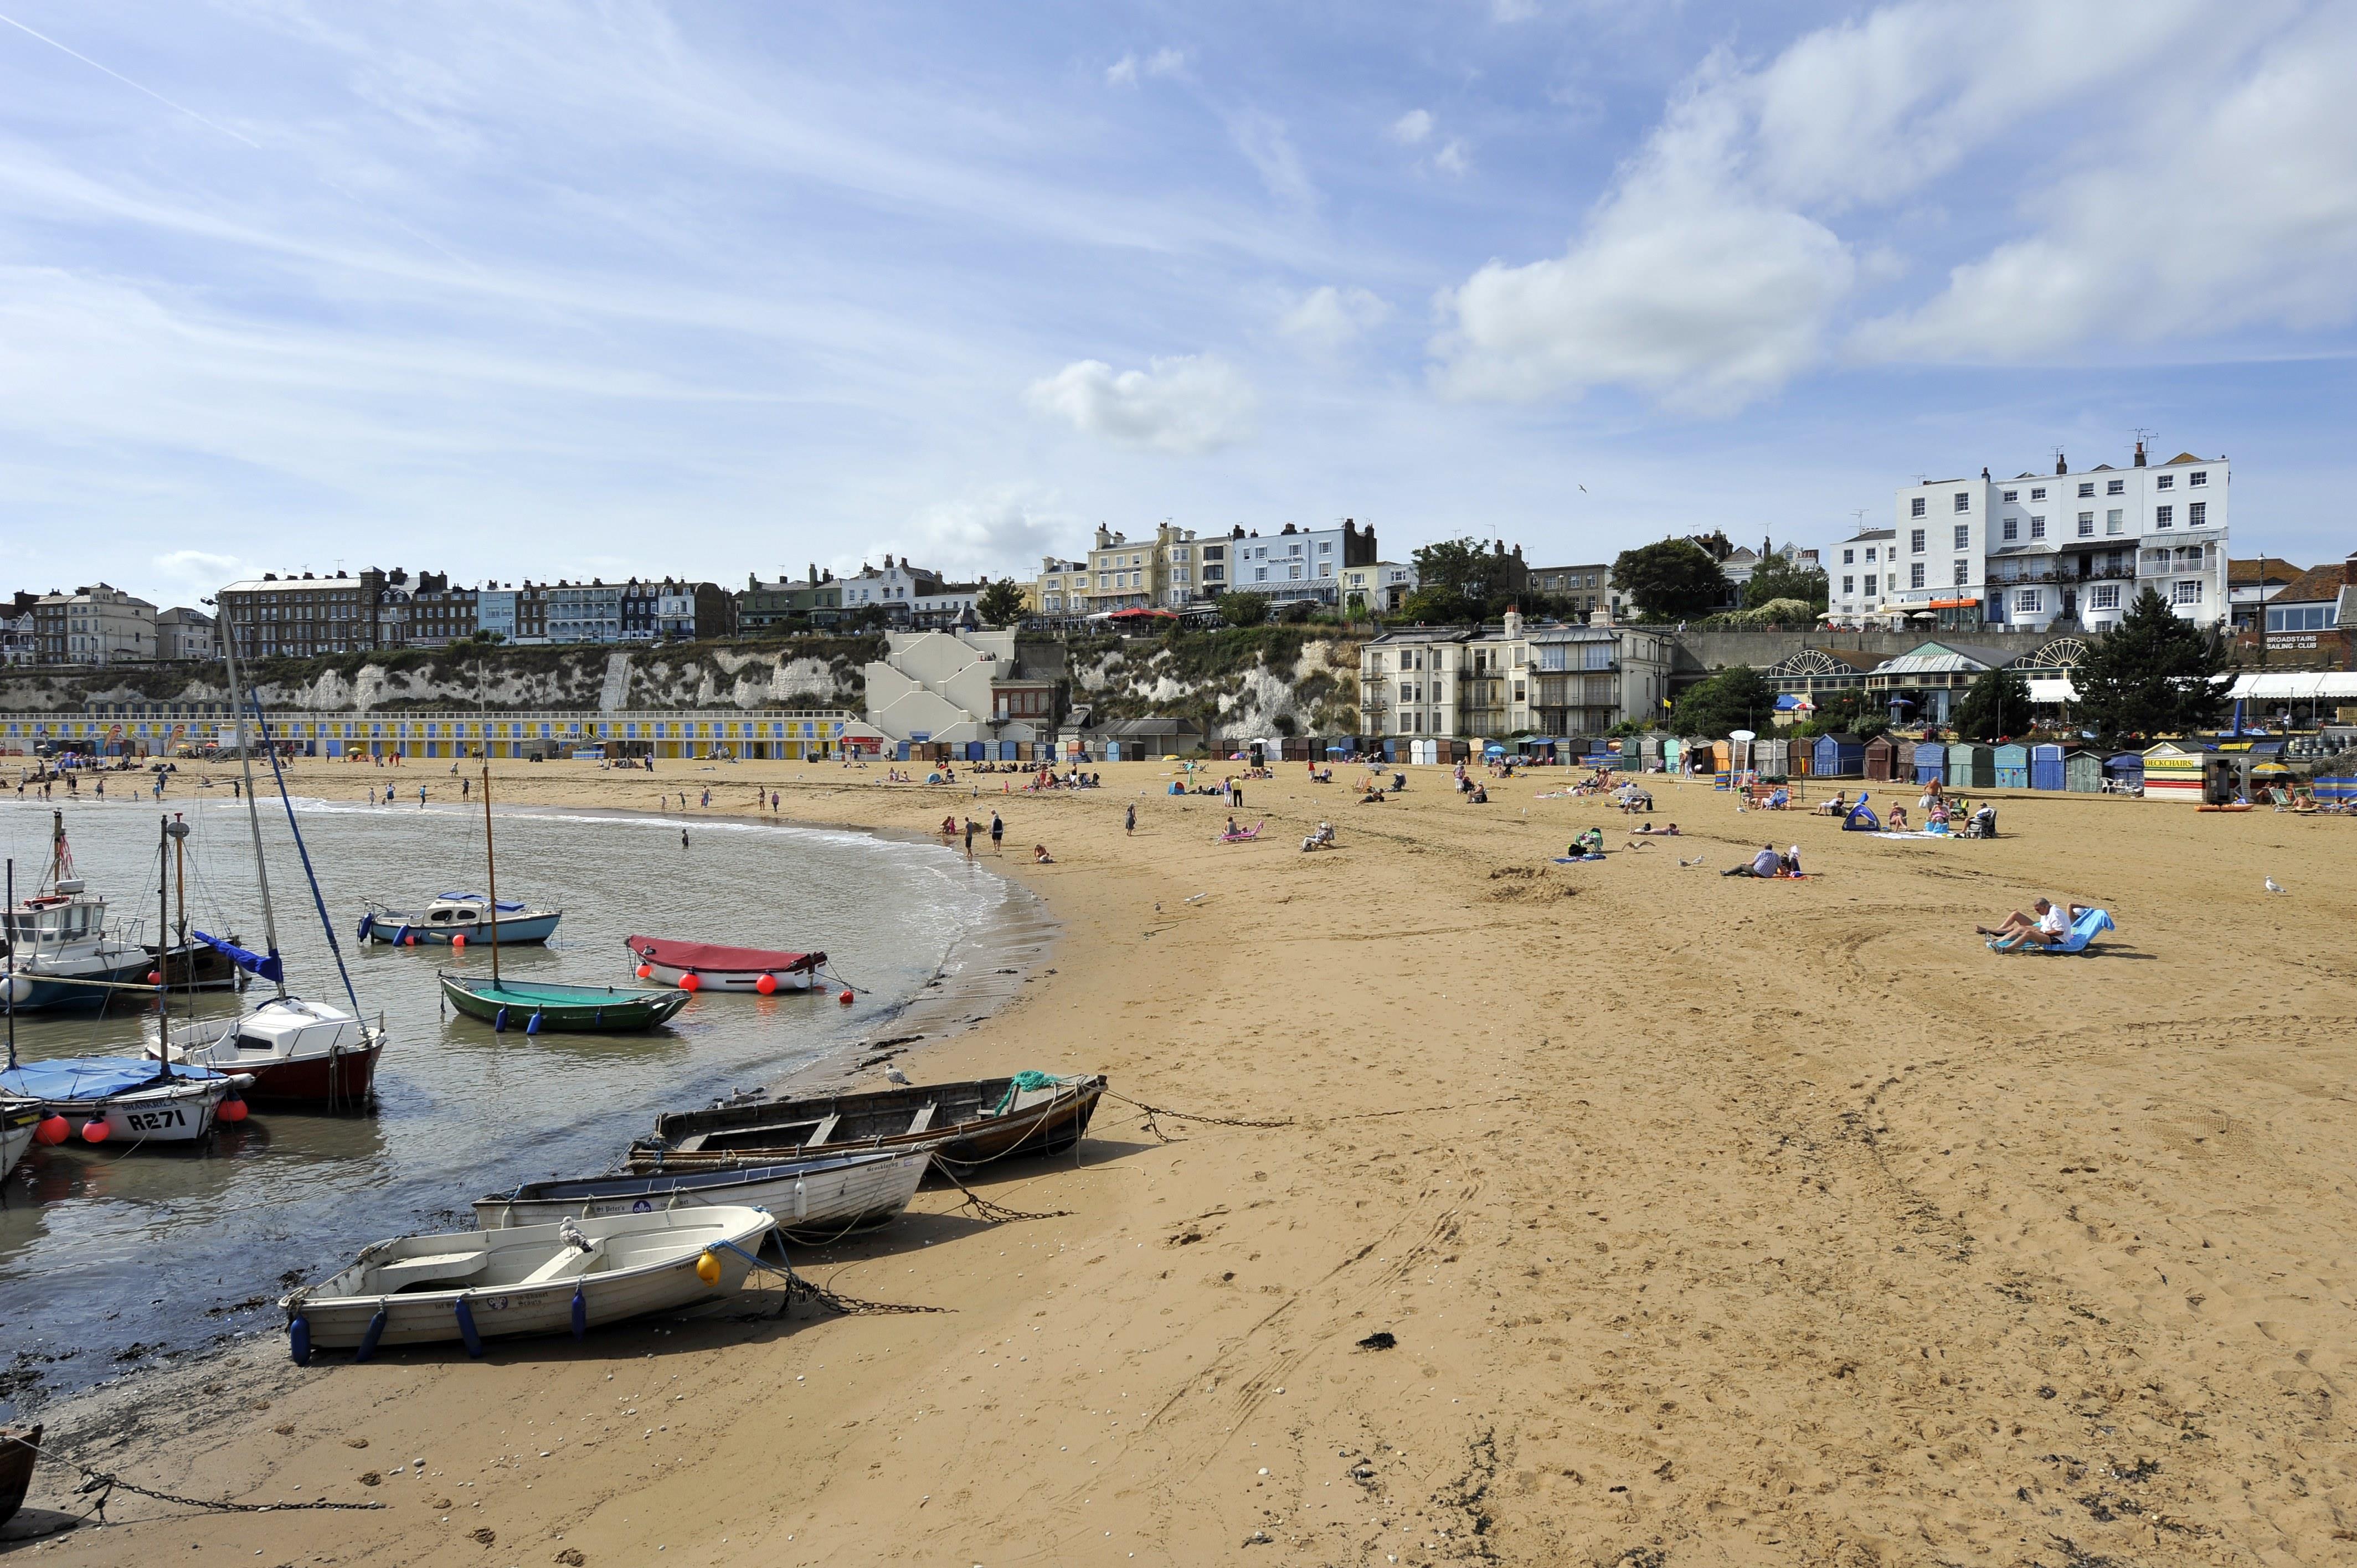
[{"x": 1708, "y": 1221}]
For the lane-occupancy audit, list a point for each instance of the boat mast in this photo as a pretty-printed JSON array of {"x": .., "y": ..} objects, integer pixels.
[
  {"x": 10, "y": 985},
  {"x": 252, "y": 812},
  {"x": 178, "y": 829},
  {"x": 490, "y": 865},
  {"x": 163, "y": 944}
]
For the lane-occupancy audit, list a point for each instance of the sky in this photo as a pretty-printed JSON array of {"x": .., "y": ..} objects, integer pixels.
[{"x": 561, "y": 290}]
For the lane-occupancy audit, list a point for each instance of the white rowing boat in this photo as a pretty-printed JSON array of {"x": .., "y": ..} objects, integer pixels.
[
  {"x": 811, "y": 1198},
  {"x": 475, "y": 1285}
]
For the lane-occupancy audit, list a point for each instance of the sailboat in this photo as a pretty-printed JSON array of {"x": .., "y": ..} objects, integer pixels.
[
  {"x": 116, "y": 1097},
  {"x": 63, "y": 953},
  {"x": 298, "y": 1051},
  {"x": 536, "y": 1005}
]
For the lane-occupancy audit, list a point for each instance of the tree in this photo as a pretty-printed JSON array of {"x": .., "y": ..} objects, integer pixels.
[
  {"x": 1671, "y": 579},
  {"x": 1000, "y": 604},
  {"x": 1464, "y": 567},
  {"x": 1851, "y": 710},
  {"x": 1244, "y": 609},
  {"x": 1433, "y": 606},
  {"x": 2154, "y": 674},
  {"x": 1736, "y": 697},
  {"x": 1777, "y": 578},
  {"x": 1996, "y": 708}
]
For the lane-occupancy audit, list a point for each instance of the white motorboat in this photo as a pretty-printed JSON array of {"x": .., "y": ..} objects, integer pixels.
[
  {"x": 17, "y": 1119},
  {"x": 136, "y": 1099},
  {"x": 811, "y": 1198},
  {"x": 474, "y": 1285},
  {"x": 297, "y": 1051},
  {"x": 61, "y": 951}
]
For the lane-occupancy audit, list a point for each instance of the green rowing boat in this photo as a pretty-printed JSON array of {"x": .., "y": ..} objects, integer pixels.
[{"x": 534, "y": 1007}]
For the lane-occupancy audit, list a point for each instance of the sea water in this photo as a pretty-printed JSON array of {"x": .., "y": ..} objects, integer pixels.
[{"x": 113, "y": 1257}]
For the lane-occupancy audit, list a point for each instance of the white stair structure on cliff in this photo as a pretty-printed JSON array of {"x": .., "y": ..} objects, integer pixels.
[{"x": 955, "y": 686}]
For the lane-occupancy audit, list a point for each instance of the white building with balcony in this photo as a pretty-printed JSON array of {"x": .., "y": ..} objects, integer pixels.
[
  {"x": 956, "y": 686},
  {"x": 2039, "y": 549},
  {"x": 1512, "y": 679}
]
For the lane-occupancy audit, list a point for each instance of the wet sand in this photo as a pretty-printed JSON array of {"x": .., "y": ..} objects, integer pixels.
[{"x": 1709, "y": 1221}]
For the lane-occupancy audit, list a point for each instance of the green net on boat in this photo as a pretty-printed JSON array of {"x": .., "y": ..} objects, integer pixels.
[{"x": 1024, "y": 1083}]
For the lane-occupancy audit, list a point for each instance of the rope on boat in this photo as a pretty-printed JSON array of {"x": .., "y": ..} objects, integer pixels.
[{"x": 105, "y": 1485}]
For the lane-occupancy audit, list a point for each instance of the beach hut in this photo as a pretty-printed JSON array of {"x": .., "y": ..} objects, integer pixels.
[
  {"x": 1971, "y": 768},
  {"x": 1930, "y": 761},
  {"x": 1839, "y": 755},
  {"x": 2173, "y": 770},
  {"x": 2045, "y": 769},
  {"x": 1722, "y": 756},
  {"x": 1774, "y": 758},
  {"x": 2124, "y": 772},
  {"x": 2082, "y": 771},
  {"x": 1902, "y": 762},
  {"x": 1882, "y": 753},
  {"x": 2012, "y": 763}
]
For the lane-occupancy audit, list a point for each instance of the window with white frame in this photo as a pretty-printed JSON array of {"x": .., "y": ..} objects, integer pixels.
[
  {"x": 2115, "y": 519},
  {"x": 1869, "y": 555},
  {"x": 2164, "y": 517},
  {"x": 1850, "y": 557},
  {"x": 2103, "y": 596},
  {"x": 2199, "y": 478},
  {"x": 1849, "y": 585},
  {"x": 2087, "y": 491},
  {"x": 2037, "y": 527},
  {"x": 2165, "y": 482},
  {"x": 2029, "y": 601},
  {"x": 1964, "y": 500},
  {"x": 2086, "y": 525},
  {"x": 1915, "y": 541},
  {"x": 2012, "y": 529},
  {"x": 1916, "y": 571},
  {"x": 2115, "y": 487},
  {"x": 1963, "y": 573},
  {"x": 2197, "y": 515},
  {"x": 2037, "y": 494},
  {"x": 1916, "y": 505},
  {"x": 1964, "y": 536},
  {"x": 2189, "y": 591},
  {"x": 2012, "y": 496}
]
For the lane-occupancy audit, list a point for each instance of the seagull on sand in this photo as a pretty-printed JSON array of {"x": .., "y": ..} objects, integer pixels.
[
  {"x": 895, "y": 1075},
  {"x": 2274, "y": 888},
  {"x": 1696, "y": 861}
]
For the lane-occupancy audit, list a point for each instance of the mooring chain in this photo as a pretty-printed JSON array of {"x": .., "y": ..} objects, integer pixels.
[
  {"x": 106, "y": 1485},
  {"x": 1153, "y": 1111}
]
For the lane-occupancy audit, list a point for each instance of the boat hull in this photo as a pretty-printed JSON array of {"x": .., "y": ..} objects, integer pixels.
[
  {"x": 807, "y": 1129},
  {"x": 182, "y": 1111},
  {"x": 337, "y": 1320},
  {"x": 20, "y": 1447},
  {"x": 299, "y": 1053},
  {"x": 81, "y": 985},
  {"x": 573, "y": 1009},
  {"x": 810, "y": 1198},
  {"x": 16, "y": 1136},
  {"x": 524, "y": 931},
  {"x": 718, "y": 968}
]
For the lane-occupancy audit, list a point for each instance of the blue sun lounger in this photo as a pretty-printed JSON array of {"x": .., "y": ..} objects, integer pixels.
[{"x": 2084, "y": 929}]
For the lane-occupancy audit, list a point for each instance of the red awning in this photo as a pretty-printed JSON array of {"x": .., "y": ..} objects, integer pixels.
[{"x": 710, "y": 958}]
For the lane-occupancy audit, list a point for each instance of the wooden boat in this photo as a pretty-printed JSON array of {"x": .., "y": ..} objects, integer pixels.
[
  {"x": 542, "y": 1004},
  {"x": 546, "y": 1005},
  {"x": 463, "y": 919},
  {"x": 811, "y": 1198},
  {"x": 297, "y": 1052},
  {"x": 20, "y": 1447},
  {"x": 473, "y": 1285},
  {"x": 139, "y": 1100},
  {"x": 986, "y": 1119},
  {"x": 707, "y": 966},
  {"x": 194, "y": 966}
]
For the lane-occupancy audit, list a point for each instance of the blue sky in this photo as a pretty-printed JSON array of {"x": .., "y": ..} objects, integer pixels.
[{"x": 545, "y": 289}]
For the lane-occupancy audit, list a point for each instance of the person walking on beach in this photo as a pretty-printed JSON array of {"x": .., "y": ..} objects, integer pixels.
[
  {"x": 421, "y": 797},
  {"x": 682, "y": 838},
  {"x": 1129, "y": 821},
  {"x": 466, "y": 786},
  {"x": 707, "y": 795},
  {"x": 773, "y": 803},
  {"x": 969, "y": 838},
  {"x": 997, "y": 832}
]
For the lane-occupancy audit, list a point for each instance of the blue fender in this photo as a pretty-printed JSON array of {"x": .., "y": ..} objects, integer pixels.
[
  {"x": 465, "y": 1316},
  {"x": 298, "y": 1339}
]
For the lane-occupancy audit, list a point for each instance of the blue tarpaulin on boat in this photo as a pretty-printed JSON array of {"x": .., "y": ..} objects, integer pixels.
[
  {"x": 505, "y": 909},
  {"x": 269, "y": 967},
  {"x": 87, "y": 1078}
]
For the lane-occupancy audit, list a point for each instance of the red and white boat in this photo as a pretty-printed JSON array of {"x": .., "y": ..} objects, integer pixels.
[{"x": 709, "y": 966}]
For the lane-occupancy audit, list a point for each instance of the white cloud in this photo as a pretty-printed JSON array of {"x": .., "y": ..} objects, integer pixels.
[
  {"x": 996, "y": 531},
  {"x": 1167, "y": 62},
  {"x": 197, "y": 570},
  {"x": 1162, "y": 62},
  {"x": 1331, "y": 320},
  {"x": 1185, "y": 404},
  {"x": 1452, "y": 159},
  {"x": 2237, "y": 210},
  {"x": 1514, "y": 10},
  {"x": 1412, "y": 127},
  {"x": 1710, "y": 273},
  {"x": 1262, "y": 140},
  {"x": 1122, "y": 72}
]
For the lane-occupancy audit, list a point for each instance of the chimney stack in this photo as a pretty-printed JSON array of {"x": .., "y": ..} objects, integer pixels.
[
  {"x": 2349, "y": 572},
  {"x": 2139, "y": 460},
  {"x": 2061, "y": 464}
]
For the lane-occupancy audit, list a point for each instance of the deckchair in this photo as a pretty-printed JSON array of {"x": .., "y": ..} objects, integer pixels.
[{"x": 2084, "y": 929}]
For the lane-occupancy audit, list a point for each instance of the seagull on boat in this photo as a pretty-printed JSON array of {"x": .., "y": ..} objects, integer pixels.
[
  {"x": 895, "y": 1075},
  {"x": 2274, "y": 888}
]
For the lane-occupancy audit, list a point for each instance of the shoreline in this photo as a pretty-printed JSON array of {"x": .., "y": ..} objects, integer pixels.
[{"x": 1613, "y": 1208}]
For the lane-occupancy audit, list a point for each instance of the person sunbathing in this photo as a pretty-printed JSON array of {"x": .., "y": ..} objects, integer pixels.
[
  {"x": 1039, "y": 855},
  {"x": 2052, "y": 924},
  {"x": 1899, "y": 820}
]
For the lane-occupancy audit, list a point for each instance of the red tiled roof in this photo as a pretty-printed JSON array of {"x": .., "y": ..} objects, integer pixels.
[
  {"x": 2264, "y": 569},
  {"x": 2318, "y": 585}
]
